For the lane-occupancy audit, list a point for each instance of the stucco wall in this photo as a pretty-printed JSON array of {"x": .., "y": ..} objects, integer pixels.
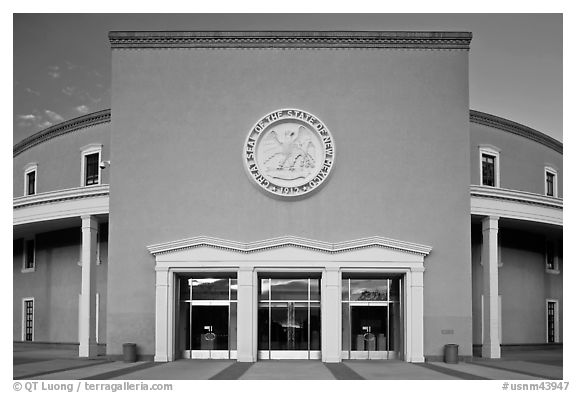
[
  {"x": 399, "y": 119},
  {"x": 60, "y": 160},
  {"x": 523, "y": 284},
  {"x": 55, "y": 286},
  {"x": 522, "y": 160}
]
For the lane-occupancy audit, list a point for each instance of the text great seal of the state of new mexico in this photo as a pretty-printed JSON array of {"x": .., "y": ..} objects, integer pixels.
[{"x": 289, "y": 152}]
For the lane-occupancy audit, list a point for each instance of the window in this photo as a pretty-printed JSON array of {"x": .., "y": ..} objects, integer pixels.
[
  {"x": 91, "y": 175},
  {"x": 489, "y": 166},
  {"x": 30, "y": 179},
  {"x": 91, "y": 165},
  {"x": 29, "y": 260},
  {"x": 551, "y": 257},
  {"x": 550, "y": 182},
  {"x": 552, "y": 321},
  {"x": 28, "y": 319}
]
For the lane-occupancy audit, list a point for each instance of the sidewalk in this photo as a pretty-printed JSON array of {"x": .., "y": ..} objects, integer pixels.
[{"x": 65, "y": 365}]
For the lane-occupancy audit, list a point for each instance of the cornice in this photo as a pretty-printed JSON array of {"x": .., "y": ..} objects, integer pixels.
[
  {"x": 290, "y": 39},
  {"x": 289, "y": 241},
  {"x": 61, "y": 195},
  {"x": 515, "y": 196},
  {"x": 489, "y": 120},
  {"x": 72, "y": 125}
]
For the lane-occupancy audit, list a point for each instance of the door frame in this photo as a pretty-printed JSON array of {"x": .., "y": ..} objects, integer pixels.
[
  {"x": 279, "y": 354},
  {"x": 371, "y": 254}
]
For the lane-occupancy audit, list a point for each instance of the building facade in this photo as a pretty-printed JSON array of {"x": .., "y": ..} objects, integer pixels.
[{"x": 268, "y": 195}]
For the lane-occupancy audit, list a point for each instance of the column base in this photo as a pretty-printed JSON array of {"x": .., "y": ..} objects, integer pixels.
[
  {"x": 161, "y": 358},
  {"x": 246, "y": 359},
  {"x": 491, "y": 352},
  {"x": 88, "y": 351}
]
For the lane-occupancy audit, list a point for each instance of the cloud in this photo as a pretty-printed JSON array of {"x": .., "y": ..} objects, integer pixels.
[
  {"x": 70, "y": 65},
  {"x": 38, "y": 120},
  {"x": 94, "y": 100},
  {"x": 69, "y": 90},
  {"x": 27, "y": 120},
  {"x": 83, "y": 109},
  {"x": 45, "y": 124},
  {"x": 53, "y": 116},
  {"x": 53, "y": 71},
  {"x": 29, "y": 90}
]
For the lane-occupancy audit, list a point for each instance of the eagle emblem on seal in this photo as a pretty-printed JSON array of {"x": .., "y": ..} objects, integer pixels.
[{"x": 289, "y": 154}]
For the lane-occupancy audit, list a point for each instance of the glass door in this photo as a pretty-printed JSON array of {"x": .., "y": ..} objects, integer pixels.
[
  {"x": 206, "y": 318},
  {"x": 372, "y": 318},
  {"x": 368, "y": 325},
  {"x": 289, "y": 326},
  {"x": 289, "y": 318},
  {"x": 210, "y": 330}
]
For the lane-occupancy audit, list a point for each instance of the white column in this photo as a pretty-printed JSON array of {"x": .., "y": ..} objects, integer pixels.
[
  {"x": 416, "y": 332},
  {"x": 491, "y": 340},
  {"x": 331, "y": 315},
  {"x": 87, "y": 321},
  {"x": 163, "y": 315},
  {"x": 247, "y": 322}
]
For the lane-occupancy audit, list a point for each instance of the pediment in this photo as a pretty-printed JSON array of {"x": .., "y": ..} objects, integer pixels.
[{"x": 289, "y": 248}]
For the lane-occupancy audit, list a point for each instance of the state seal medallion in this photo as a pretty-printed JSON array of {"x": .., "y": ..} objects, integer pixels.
[{"x": 289, "y": 152}]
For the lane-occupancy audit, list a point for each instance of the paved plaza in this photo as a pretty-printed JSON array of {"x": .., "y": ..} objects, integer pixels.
[{"x": 52, "y": 364}]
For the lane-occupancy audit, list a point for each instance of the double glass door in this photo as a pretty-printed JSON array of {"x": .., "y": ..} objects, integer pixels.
[
  {"x": 289, "y": 318},
  {"x": 207, "y": 318}
]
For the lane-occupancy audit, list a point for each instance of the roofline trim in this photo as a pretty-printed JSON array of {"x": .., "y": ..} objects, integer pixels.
[
  {"x": 104, "y": 116},
  {"x": 290, "y": 39},
  {"x": 489, "y": 120},
  {"x": 71, "y": 125}
]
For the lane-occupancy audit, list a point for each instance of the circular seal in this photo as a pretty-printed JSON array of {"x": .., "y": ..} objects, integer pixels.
[{"x": 289, "y": 152}]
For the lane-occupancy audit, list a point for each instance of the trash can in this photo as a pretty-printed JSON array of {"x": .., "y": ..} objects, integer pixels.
[
  {"x": 451, "y": 353},
  {"x": 129, "y": 352}
]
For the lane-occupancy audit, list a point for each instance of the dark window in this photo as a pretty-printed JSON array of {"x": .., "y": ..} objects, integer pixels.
[
  {"x": 29, "y": 255},
  {"x": 28, "y": 320},
  {"x": 551, "y": 318},
  {"x": 488, "y": 170},
  {"x": 92, "y": 169},
  {"x": 549, "y": 184},
  {"x": 31, "y": 181}
]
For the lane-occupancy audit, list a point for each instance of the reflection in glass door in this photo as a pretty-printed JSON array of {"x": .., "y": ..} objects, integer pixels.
[
  {"x": 371, "y": 318},
  {"x": 289, "y": 318},
  {"x": 206, "y": 318}
]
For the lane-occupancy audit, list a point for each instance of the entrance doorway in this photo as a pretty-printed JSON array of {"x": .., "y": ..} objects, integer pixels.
[
  {"x": 206, "y": 317},
  {"x": 289, "y": 318},
  {"x": 372, "y": 317}
]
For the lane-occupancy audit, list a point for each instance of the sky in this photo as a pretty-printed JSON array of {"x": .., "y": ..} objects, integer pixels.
[{"x": 61, "y": 62}]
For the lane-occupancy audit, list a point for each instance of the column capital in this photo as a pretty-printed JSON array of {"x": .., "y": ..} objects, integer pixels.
[
  {"x": 161, "y": 268},
  {"x": 243, "y": 268},
  {"x": 89, "y": 221},
  {"x": 490, "y": 223}
]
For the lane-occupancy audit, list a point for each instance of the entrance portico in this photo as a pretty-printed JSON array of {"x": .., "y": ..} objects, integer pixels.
[{"x": 289, "y": 256}]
